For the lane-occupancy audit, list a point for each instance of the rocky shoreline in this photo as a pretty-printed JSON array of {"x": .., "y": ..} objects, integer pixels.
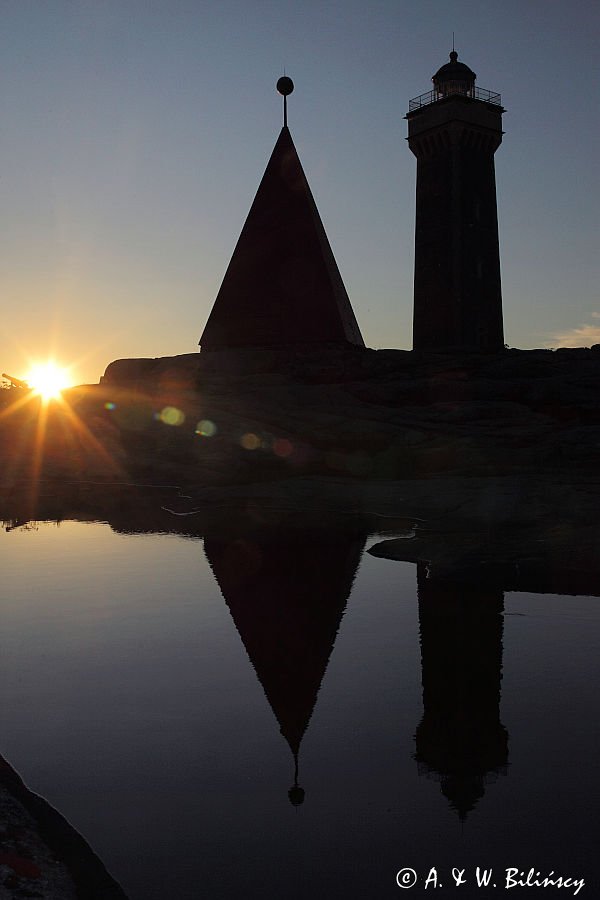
[
  {"x": 41, "y": 854},
  {"x": 244, "y": 416},
  {"x": 508, "y": 442}
]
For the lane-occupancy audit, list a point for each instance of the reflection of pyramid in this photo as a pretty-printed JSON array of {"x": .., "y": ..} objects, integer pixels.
[
  {"x": 282, "y": 285},
  {"x": 460, "y": 741},
  {"x": 287, "y": 597}
]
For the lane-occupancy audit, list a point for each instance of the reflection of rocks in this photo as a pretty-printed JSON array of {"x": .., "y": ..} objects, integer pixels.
[
  {"x": 41, "y": 855},
  {"x": 511, "y": 535},
  {"x": 287, "y": 595},
  {"x": 460, "y": 739}
]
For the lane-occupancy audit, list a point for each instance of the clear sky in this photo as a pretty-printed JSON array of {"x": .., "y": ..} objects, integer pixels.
[{"x": 134, "y": 133}]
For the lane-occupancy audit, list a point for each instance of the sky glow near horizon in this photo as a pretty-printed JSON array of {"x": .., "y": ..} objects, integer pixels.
[{"x": 134, "y": 137}]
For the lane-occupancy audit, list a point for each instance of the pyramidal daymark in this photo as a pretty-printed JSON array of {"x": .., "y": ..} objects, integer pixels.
[{"x": 282, "y": 286}]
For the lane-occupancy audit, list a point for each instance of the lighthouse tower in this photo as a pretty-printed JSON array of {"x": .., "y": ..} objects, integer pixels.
[{"x": 454, "y": 131}]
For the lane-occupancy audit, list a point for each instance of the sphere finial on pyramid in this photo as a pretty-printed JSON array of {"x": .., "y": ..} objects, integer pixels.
[{"x": 285, "y": 86}]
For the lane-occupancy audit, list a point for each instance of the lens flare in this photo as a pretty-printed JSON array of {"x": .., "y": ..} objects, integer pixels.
[
  {"x": 283, "y": 448},
  {"x": 206, "y": 428},
  {"x": 250, "y": 441},
  {"x": 170, "y": 415},
  {"x": 48, "y": 379}
]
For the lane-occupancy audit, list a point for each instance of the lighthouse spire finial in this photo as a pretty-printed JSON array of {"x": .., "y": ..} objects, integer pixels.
[
  {"x": 453, "y": 54},
  {"x": 285, "y": 86}
]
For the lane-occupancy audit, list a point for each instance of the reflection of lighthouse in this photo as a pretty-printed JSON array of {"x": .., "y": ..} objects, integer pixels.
[
  {"x": 287, "y": 597},
  {"x": 460, "y": 740}
]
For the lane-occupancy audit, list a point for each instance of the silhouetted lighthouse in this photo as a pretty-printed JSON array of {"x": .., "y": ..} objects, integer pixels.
[{"x": 454, "y": 131}]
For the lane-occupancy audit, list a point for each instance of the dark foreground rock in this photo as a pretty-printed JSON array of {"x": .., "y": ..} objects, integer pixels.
[{"x": 41, "y": 854}]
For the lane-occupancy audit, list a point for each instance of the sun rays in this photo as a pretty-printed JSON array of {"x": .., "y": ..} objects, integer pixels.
[
  {"x": 51, "y": 430},
  {"x": 48, "y": 379}
]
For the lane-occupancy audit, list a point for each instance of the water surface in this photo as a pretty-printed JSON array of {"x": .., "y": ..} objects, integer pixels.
[{"x": 276, "y": 713}]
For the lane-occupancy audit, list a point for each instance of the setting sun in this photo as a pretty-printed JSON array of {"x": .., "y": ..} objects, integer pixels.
[{"x": 48, "y": 379}]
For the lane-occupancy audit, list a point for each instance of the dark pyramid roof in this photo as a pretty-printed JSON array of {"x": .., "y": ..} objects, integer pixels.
[
  {"x": 282, "y": 285},
  {"x": 287, "y": 598}
]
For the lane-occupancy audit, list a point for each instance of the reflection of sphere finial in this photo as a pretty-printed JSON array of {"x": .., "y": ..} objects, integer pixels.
[
  {"x": 296, "y": 795},
  {"x": 285, "y": 85}
]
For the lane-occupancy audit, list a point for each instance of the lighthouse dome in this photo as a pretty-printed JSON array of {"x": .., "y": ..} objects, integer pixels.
[{"x": 454, "y": 77}]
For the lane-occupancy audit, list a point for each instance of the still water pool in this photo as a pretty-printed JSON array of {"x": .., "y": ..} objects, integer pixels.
[{"x": 276, "y": 714}]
